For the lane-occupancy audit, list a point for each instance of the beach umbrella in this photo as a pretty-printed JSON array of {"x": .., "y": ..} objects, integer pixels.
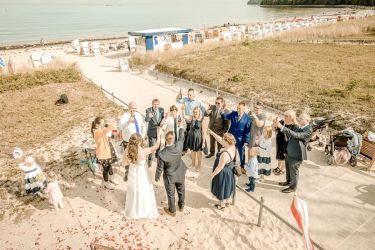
[{"x": 300, "y": 213}]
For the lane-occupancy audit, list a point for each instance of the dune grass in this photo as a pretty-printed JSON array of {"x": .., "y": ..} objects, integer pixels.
[
  {"x": 53, "y": 74},
  {"x": 329, "y": 80},
  {"x": 348, "y": 29}
]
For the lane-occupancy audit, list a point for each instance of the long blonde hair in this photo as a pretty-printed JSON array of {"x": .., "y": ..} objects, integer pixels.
[{"x": 134, "y": 142}]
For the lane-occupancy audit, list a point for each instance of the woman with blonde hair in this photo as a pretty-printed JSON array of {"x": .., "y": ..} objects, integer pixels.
[
  {"x": 195, "y": 137},
  {"x": 140, "y": 196},
  {"x": 223, "y": 181}
]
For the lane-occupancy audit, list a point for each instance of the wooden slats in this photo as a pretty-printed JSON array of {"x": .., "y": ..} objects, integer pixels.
[{"x": 367, "y": 154}]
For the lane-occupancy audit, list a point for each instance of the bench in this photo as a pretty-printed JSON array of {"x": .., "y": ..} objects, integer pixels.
[{"x": 367, "y": 154}]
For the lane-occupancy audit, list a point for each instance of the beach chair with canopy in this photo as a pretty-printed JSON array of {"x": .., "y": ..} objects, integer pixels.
[
  {"x": 75, "y": 46},
  {"x": 85, "y": 48},
  {"x": 95, "y": 46},
  {"x": 36, "y": 59}
]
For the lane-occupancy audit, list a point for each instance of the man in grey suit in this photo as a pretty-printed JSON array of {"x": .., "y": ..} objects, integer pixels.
[
  {"x": 173, "y": 169},
  {"x": 217, "y": 124},
  {"x": 154, "y": 116},
  {"x": 295, "y": 151}
]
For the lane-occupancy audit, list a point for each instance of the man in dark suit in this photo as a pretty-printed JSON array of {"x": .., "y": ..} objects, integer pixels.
[
  {"x": 240, "y": 124},
  {"x": 217, "y": 124},
  {"x": 173, "y": 169},
  {"x": 298, "y": 138},
  {"x": 154, "y": 116}
]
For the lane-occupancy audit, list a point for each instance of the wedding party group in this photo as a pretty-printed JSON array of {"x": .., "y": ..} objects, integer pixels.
[{"x": 166, "y": 136}]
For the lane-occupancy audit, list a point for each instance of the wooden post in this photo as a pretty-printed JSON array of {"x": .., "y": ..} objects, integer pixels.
[{"x": 260, "y": 211}]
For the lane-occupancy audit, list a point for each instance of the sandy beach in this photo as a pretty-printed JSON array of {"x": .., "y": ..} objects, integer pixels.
[{"x": 340, "y": 198}]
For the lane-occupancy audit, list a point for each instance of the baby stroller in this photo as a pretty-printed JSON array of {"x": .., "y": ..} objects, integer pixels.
[
  {"x": 336, "y": 142},
  {"x": 319, "y": 125}
]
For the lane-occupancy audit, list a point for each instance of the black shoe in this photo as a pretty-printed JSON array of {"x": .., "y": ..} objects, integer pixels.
[
  {"x": 181, "y": 209},
  {"x": 284, "y": 184},
  {"x": 209, "y": 156},
  {"x": 288, "y": 190}
]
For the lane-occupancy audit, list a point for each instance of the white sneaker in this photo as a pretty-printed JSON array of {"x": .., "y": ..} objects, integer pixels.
[{"x": 108, "y": 185}]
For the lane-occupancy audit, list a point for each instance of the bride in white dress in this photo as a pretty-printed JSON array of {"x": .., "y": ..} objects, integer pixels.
[{"x": 140, "y": 195}]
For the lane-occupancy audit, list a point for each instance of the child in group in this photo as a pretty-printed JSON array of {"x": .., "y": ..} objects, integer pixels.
[
  {"x": 35, "y": 181},
  {"x": 252, "y": 169},
  {"x": 55, "y": 196},
  {"x": 264, "y": 157}
]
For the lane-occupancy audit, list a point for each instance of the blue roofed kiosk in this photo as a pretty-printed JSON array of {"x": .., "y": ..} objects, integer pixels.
[{"x": 159, "y": 39}]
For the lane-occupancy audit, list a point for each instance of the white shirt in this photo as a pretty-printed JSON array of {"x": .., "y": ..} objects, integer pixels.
[
  {"x": 168, "y": 125},
  {"x": 128, "y": 129}
]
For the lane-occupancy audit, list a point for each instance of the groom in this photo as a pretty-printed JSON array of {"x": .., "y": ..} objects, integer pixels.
[{"x": 174, "y": 168}]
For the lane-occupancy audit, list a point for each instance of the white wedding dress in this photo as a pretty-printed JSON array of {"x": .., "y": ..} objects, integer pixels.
[{"x": 140, "y": 195}]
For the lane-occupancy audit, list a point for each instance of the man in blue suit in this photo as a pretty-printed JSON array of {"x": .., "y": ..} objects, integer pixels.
[{"x": 240, "y": 124}]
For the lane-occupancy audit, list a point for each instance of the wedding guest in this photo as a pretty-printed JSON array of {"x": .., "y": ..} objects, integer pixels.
[
  {"x": 154, "y": 117},
  {"x": 252, "y": 169},
  {"x": 55, "y": 196},
  {"x": 217, "y": 124},
  {"x": 290, "y": 121},
  {"x": 131, "y": 122},
  {"x": 172, "y": 166},
  {"x": 35, "y": 181},
  {"x": 104, "y": 149},
  {"x": 265, "y": 147},
  {"x": 195, "y": 138},
  {"x": 240, "y": 124},
  {"x": 258, "y": 120},
  {"x": 299, "y": 137},
  {"x": 223, "y": 182},
  {"x": 189, "y": 103},
  {"x": 170, "y": 121}
]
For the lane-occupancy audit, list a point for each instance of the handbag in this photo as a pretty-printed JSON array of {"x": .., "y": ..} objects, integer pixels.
[{"x": 205, "y": 148}]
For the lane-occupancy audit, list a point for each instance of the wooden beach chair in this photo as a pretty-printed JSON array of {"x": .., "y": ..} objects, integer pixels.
[{"x": 367, "y": 153}]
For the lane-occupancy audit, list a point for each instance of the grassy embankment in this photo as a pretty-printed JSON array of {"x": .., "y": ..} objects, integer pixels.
[
  {"x": 330, "y": 80},
  {"x": 31, "y": 120}
]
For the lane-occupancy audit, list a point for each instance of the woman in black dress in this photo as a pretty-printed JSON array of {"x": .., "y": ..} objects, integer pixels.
[
  {"x": 282, "y": 141},
  {"x": 223, "y": 180},
  {"x": 194, "y": 140}
]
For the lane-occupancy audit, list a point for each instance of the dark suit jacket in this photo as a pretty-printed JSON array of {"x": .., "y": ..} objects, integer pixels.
[
  {"x": 240, "y": 129},
  {"x": 298, "y": 140},
  {"x": 217, "y": 123},
  {"x": 152, "y": 122},
  {"x": 170, "y": 162}
]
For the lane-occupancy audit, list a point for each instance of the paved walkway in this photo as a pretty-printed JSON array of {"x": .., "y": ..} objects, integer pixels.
[{"x": 341, "y": 200}]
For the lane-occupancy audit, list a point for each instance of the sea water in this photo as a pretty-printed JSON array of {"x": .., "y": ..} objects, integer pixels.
[{"x": 27, "y": 21}]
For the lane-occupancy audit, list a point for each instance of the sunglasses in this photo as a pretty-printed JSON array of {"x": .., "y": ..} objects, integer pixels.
[{"x": 218, "y": 103}]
